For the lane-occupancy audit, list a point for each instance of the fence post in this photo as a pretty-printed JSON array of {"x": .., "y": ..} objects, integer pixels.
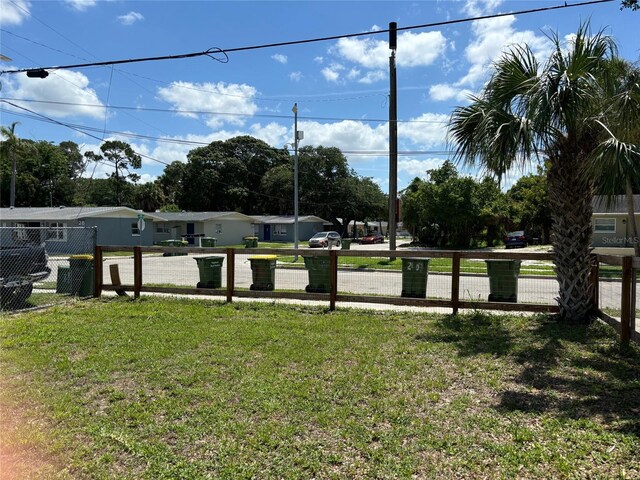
[
  {"x": 333, "y": 278},
  {"x": 97, "y": 271},
  {"x": 625, "y": 307},
  {"x": 455, "y": 281},
  {"x": 231, "y": 273},
  {"x": 594, "y": 282},
  {"x": 137, "y": 271}
]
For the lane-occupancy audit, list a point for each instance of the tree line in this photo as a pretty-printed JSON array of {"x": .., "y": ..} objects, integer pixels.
[{"x": 240, "y": 174}]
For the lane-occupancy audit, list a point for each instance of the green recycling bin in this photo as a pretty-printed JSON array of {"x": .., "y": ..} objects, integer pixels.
[
  {"x": 503, "y": 279},
  {"x": 318, "y": 268},
  {"x": 210, "y": 269},
  {"x": 250, "y": 242},
  {"x": 81, "y": 275},
  {"x": 208, "y": 242},
  {"x": 173, "y": 243},
  {"x": 414, "y": 277},
  {"x": 263, "y": 272},
  {"x": 63, "y": 280},
  {"x": 346, "y": 244}
]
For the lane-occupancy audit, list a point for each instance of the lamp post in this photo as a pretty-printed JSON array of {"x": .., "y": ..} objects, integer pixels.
[{"x": 297, "y": 135}]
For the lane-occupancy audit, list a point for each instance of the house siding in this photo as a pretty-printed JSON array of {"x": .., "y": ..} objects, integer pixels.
[{"x": 623, "y": 235}]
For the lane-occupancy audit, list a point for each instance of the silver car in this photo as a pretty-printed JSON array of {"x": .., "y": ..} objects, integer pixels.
[{"x": 322, "y": 239}]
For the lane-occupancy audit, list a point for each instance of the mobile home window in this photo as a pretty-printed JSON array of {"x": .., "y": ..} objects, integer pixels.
[
  {"x": 162, "y": 229},
  {"x": 604, "y": 225},
  {"x": 279, "y": 229},
  {"x": 218, "y": 228},
  {"x": 135, "y": 232}
]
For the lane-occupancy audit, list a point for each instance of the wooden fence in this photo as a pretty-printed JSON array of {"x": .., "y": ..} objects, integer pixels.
[{"x": 626, "y": 324}]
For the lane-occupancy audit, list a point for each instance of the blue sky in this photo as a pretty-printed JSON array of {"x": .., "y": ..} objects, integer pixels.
[{"x": 164, "y": 109}]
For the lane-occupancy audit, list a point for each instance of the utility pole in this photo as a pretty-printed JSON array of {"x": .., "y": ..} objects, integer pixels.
[
  {"x": 393, "y": 136},
  {"x": 297, "y": 137}
]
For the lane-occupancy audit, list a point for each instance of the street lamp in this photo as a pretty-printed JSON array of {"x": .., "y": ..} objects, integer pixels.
[{"x": 298, "y": 135}]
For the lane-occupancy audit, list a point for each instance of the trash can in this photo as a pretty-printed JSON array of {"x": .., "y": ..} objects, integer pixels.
[
  {"x": 81, "y": 275},
  {"x": 414, "y": 277},
  {"x": 263, "y": 272},
  {"x": 208, "y": 242},
  {"x": 318, "y": 268},
  {"x": 173, "y": 243},
  {"x": 503, "y": 279},
  {"x": 346, "y": 244},
  {"x": 210, "y": 269},
  {"x": 63, "y": 281},
  {"x": 250, "y": 242}
]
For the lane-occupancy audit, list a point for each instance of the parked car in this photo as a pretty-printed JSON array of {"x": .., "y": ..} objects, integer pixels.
[
  {"x": 372, "y": 238},
  {"x": 322, "y": 239},
  {"x": 20, "y": 268},
  {"x": 515, "y": 239}
]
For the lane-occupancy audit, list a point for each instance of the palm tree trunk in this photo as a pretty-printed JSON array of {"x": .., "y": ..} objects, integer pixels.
[
  {"x": 631, "y": 220},
  {"x": 570, "y": 196}
]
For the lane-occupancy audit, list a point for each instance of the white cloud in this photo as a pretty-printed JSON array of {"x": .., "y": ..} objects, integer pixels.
[
  {"x": 130, "y": 18},
  {"x": 445, "y": 91},
  {"x": 81, "y": 5},
  {"x": 346, "y": 135},
  {"x": 414, "y": 50},
  {"x": 418, "y": 168},
  {"x": 64, "y": 86},
  {"x": 319, "y": 59},
  {"x": 428, "y": 130},
  {"x": 278, "y": 57},
  {"x": 373, "y": 76},
  {"x": 13, "y": 13},
  {"x": 332, "y": 73},
  {"x": 296, "y": 76},
  {"x": 476, "y": 8},
  {"x": 212, "y": 97},
  {"x": 493, "y": 37}
]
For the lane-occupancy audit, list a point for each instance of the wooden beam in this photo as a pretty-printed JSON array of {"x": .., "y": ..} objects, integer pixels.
[
  {"x": 97, "y": 272},
  {"x": 333, "y": 278},
  {"x": 625, "y": 299},
  {"x": 455, "y": 282},
  {"x": 231, "y": 273},
  {"x": 137, "y": 271}
]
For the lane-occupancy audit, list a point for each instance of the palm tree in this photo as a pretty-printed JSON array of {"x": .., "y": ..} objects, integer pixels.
[
  {"x": 531, "y": 111},
  {"x": 615, "y": 163},
  {"x": 10, "y": 145}
]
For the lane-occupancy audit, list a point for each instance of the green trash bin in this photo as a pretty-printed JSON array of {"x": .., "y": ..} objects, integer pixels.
[
  {"x": 63, "y": 280},
  {"x": 318, "y": 268},
  {"x": 210, "y": 269},
  {"x": 503, "y": 279},
  {"x": 346, "y": 244},
  {"x": 250, "y": 242},
  {"x": 81, "y": 275},
  {"x": 173, "y": 243},
  {"x": 208, "y": 242},
  {"x": 414, "y": 277},
  {"x": 263, "y": 272}
]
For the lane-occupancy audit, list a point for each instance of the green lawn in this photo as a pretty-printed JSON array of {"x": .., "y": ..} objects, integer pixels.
[{"x": 165, "y": 388}]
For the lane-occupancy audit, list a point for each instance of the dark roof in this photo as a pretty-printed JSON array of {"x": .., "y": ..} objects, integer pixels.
[{"x": 618, "y": 204}]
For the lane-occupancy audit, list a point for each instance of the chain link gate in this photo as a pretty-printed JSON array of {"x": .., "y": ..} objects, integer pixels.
[{"x": 43, "y": 266}]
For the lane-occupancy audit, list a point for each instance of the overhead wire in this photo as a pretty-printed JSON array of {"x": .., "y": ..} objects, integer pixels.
[{"x": 209, "y": 52}]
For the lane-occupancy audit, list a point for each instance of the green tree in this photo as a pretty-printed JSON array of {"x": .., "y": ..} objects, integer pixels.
[
  {"x": 226, "y": 175},
  {"x": 121, "y": 157},
  {"x": 149, "y": 197},
  {"x": 10, "y": 145},
  {"x": 448, "y": 210},
  {"x": 171, "y": 181},
  {"x": 527, "y": 108},
  {"x": 528, "y": 199},
  {"x": 615, "y": 163}
]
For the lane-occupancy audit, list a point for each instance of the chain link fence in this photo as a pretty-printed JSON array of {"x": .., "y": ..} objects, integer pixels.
[{"x": 42, "y": 266}]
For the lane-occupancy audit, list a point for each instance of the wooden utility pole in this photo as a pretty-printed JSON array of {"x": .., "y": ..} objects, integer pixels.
[{"x": 393, "y": 136}]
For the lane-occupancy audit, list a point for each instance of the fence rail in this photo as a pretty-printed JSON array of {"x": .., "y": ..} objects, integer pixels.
[{"x": 333, "y": 296}]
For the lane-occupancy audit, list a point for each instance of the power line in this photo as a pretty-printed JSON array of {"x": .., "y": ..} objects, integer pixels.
[
  {"x": 209, "y": 53},
  {"x": 207, "y": 112}
]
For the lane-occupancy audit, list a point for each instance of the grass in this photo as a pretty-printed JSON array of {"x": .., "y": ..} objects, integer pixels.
[{"x": 166, "y": 388}]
